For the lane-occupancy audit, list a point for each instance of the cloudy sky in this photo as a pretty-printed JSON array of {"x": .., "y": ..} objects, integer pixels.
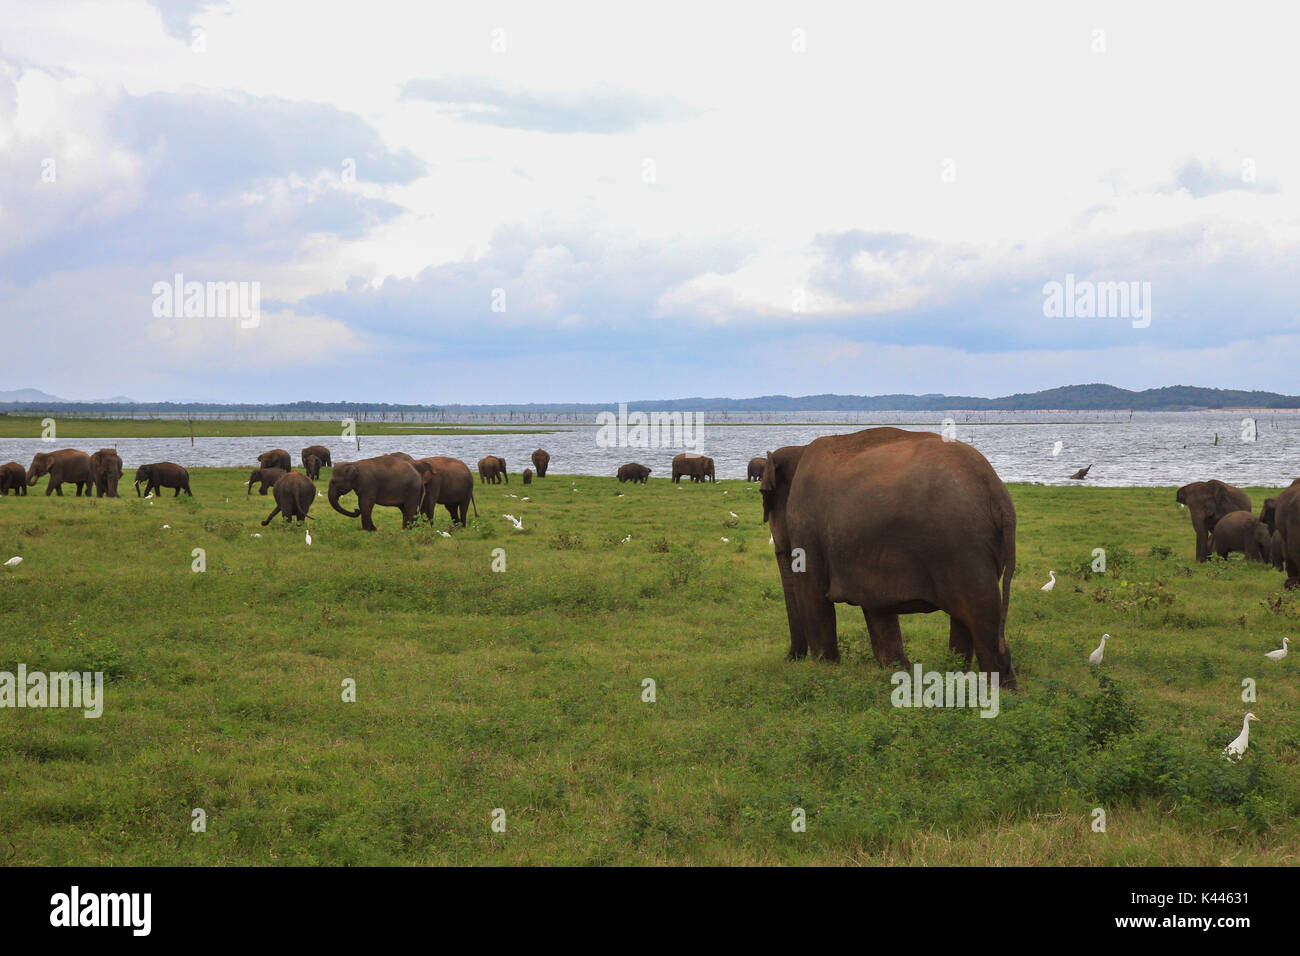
[{"x": 512, "y": 202}]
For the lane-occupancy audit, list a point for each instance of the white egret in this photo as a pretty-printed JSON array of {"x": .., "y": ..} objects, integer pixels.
[
  {"x": 519, "y": 525},
  {"x": 13, "y": 562},
  {"x": 309, "y": 539},
  {"x": 1279, "y": 654},
  {"x": 1238, "y": 747},
  {"x": 1050, "y": 584},
  {"x": 1095, "y": 656}
]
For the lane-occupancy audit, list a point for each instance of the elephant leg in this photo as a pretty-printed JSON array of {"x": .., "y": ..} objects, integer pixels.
[
  {"x": 981, "y": 616},
  {"x": 793, "y": 613},
  {"x": 886, "y": 639},
  {"x": 960, "y": 640},
  {"x": 366, "y": 506},
  {"x": 273, "y": 513},
  {"x": 1202, "y": 545},
  {"x": 57, "y": 489}
]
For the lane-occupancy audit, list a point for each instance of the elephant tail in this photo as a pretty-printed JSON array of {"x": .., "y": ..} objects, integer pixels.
[
  {"x": 473, "y": 502},
  {"x": 1008, "y": 571}
]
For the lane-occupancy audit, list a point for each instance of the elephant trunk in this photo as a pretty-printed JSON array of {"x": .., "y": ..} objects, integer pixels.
[{"x": 334, "y": 503}]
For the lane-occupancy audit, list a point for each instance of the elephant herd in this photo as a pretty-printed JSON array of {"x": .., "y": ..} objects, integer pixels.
[
  {"x": 891, "y": 521},
  {"x": 1225, "y": 523},
  {"x": 100, "y": 471},
  {"x": 685, "y": 465},
  {"x": 395, "y": 480}
]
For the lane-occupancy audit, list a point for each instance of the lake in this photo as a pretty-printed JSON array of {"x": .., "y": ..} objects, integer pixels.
[{"x": 1144, "y": 448}]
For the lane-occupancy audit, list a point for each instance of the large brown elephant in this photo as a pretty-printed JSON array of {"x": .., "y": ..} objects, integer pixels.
[
  {"x": 696, "y": 467},
  {"x": 1243, "y": 533},
  {"x": 541, "y": 461},
  {"x": 1208, "y": 502},
  {"x": 894, "y": 522},
  {"x": 106, "y": 470},
  {"x": 755, "y": 470},
  {"x": 320, "y": 452},
  {"x": 386, "y": 480},
  {"x": 492, "y": 469},
  {"x": 267, "y": 476},
  {"x": 1287, "y": 523},
  {"x": 275, "y": 458},
  {"x": 162, "y": 474},
  {"x": 67, "y": 464},
  {"x": 633, "y": 472},
  {"x": 13, "y": 477},
  {"x": 455, "y": 490},
  {"x": 294, "y": 494}
]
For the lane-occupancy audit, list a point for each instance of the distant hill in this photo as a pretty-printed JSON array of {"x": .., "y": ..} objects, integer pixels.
[
  {"x": 34, "y": 396},
  {"x": 1174, "y": 398}
]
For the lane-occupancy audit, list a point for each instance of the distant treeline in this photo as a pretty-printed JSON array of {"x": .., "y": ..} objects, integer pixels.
[{"x": 1068, "y": 398}]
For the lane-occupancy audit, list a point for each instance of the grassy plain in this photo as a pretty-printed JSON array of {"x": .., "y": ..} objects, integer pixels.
[{"x": 522, "y": 690}]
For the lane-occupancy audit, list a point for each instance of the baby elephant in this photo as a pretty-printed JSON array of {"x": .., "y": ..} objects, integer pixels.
[
  {"x": 633, "y": 472},
  {"x": 294, "y": 494},
  {"x": 312, "y": 465},
  {"x": 1242, "y": 532},
  {"x": 267, "y": 476},
  {"x": 528, "y": 476}
]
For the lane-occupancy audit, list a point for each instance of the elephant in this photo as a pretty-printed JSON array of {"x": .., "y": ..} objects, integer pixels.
[
  {"x": 1208, "y": 502},
  {"x": 1287, "y": 522},
  {"x": 755, "y": 470},
  {"x": 541, "y": 461},
  {"x": 528, "y": 476},
  {"x": 13, "y": 478},
  {"x": 106, "y": 470},
  {"x": 455, "y": 490},
  {"x": 162, "y": 474},
  {"x": 1268, "y": 514},
  {"x": 386, "y": 480},
  {"x": 1277, "y": 551},
  {"x": 402, "y": 455},
  {"x": 1242, "y": 532},
  {"x": 633, "y": 472},
  {"x": 312, "y": 465},
  {"x": 275, "y": 458},
  {"x": 491, "y": 470},
  {"x": 294, "y": 494},
  {"x": 267, "y": 476},
  {"x": 698, "y": 467},
  {"x": 894, "y": 522},
  {"x": 321, "y": 452},
  {"x": 67, "y": 464}
]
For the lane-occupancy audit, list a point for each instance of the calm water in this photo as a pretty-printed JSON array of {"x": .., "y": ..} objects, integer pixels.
[{"x": 1150, "y": 448}]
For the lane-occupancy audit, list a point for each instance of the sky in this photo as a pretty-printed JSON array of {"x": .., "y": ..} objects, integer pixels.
[{"x": 513, "y": 202}]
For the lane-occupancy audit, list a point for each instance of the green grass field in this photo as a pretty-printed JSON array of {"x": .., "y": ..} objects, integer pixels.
[
  {"x": 27, "y": 426},
  {"x": 522, "y": 690}
]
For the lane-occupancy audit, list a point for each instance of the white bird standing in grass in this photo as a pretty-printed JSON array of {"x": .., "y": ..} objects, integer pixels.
[
  {"x": 733, "y": 514},
  {"x": 1050, "y": 584},
  {"x": 1279, "y": 654},
  {"x": 309, "y": 539},
  {"x": 627, "y": 539},
  {"x": 1238, "y": 747},
  {"x": 1095, "y": 657},
  {"x": 444, "y": 534},
  {"x": 13, "y": 562},
  {"x": 519, "y": 525}
]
